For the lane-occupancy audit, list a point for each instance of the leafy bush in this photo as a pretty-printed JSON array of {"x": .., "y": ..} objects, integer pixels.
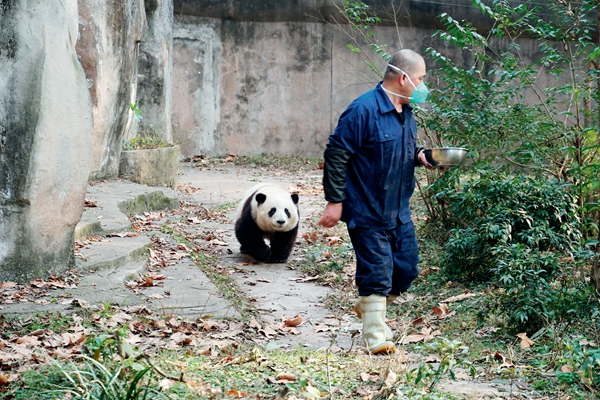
[
  {"x": 498, "y": 210},
  {"x": 522, "y": 235},
  {"x": 537, "y": 113}
]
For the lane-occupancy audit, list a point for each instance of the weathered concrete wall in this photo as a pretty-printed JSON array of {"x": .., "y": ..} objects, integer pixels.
[
  {"x": 45, "y": 137},
  {"x": 154, "y": 70},
  {"x": 268, "y": 77},
  {"x": 109, "y": 34},
  {"x": 248, "y": 88}
]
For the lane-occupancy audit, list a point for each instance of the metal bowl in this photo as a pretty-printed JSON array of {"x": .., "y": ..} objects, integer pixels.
[{"x": 446, "y": 157}]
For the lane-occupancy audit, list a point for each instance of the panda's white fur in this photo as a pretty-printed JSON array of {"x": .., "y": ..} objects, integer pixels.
[{"x": 267, "y": 211}]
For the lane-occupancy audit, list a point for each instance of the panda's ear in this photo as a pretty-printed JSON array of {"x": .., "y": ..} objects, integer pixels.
[
  {"x": 295, "y": 198},
  {"x": 260, "y": 198}
]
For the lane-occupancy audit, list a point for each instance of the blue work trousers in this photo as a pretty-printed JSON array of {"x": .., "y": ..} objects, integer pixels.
[{"x": 386, "y": 260}]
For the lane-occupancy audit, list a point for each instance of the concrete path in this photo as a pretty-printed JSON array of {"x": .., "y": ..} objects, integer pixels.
[{"x": 110, "y": 254}]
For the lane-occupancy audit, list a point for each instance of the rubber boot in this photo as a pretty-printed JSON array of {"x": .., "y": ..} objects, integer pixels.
[
  {"x": 390, "y": 299},
  {"x": 389, "y": 335},
  {"x": 374, "y": 330}
]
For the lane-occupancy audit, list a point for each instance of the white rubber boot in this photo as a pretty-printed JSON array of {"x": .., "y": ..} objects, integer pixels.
[
  {"x": 374, "y": 332},
  {"x": 389, "y": 335}
]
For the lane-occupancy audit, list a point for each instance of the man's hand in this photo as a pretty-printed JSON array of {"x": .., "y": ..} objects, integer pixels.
[
  {"x": 423, "y": 160},
  {"x": 331, "y": 215}
]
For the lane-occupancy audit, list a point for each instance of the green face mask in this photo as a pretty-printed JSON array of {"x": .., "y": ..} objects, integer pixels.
[{"x": 420, "y": 93}]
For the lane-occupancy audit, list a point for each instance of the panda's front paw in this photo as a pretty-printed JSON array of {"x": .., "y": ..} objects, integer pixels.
[{"x": 277, "y": 260}]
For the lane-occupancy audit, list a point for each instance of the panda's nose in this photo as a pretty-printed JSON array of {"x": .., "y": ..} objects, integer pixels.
[{"x": 280, "y": 222}]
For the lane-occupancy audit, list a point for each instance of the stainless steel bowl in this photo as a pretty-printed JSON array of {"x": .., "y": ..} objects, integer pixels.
[{"x": 446, "y": 157}]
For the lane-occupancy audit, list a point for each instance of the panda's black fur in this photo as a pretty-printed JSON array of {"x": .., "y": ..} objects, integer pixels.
[{"x": 267, "y": 211}]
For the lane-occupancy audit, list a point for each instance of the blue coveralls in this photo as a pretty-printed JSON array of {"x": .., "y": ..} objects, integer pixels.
[{"x": 379, "y": 183}]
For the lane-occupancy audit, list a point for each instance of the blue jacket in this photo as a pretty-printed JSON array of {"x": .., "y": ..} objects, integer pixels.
[{"x": 370, "y": 161}]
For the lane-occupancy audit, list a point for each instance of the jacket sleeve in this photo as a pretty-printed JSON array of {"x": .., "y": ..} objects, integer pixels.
[
  {"x": 418, "y": 151},
  {"x": 334, "y": 174}
]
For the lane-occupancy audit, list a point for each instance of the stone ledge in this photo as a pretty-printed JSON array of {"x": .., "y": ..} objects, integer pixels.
[{"x": 152, "y": 167}]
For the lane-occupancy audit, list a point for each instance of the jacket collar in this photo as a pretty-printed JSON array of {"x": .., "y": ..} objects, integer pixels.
[{"x": 384, "y": 103}]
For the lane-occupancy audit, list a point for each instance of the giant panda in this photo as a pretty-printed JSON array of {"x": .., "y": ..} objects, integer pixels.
[{"x": 267, "y": 211}]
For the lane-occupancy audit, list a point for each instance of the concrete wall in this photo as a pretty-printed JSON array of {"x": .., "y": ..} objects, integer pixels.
[{"x": 273, "y": 77}]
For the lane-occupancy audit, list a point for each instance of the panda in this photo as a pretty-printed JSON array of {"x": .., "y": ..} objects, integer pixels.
[{"x": 267, "y": 211}]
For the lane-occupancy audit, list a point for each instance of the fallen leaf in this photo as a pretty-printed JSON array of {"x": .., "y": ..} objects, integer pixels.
[
  {"x": 268, "y": 332},
  {"x": 236, "y": 393},
  {"x": 333, "y": 240},
  {"x": 263, "y": 280},
  {"x": 366, "y": 377},
  {"x": 4, "y": 379},
  {"x": 525, "y": 341},
  {"x": 390, "y": 379},
  {"x": 287, "y": 376},
  {"x": 297, "y": 320},
  {"x": 311, "y": 237},
  {"x": 166, "y": 384},
  {"x": 308, "y": 279},
  {"x": 440, "y": 311},
  {"x": 412, "y": 339},
  {"x": 566, "y": 368}
]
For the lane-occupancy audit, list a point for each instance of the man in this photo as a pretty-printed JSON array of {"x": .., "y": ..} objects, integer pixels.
[{"x": 368, "y": 181}]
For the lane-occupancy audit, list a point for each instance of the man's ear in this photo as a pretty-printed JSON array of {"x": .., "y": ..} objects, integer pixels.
[{"x": 402, "y": 79}]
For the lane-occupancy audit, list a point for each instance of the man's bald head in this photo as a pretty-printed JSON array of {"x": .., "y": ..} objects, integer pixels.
[{"x": 407, "y": 60}]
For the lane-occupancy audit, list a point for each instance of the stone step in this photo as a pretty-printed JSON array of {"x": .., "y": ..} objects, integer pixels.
[
  {"x": 116, "y": 201},
  {"x": 112, "y": 253}
]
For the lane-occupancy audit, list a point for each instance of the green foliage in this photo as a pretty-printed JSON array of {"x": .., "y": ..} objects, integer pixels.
[
  {"x": 137, "y": 113},
  {"x": 539, "y": 115},
  {"x": 104, "y": 346},
  {"x": 583, "y": 362},
  {"x": 94, "y": 380},
  {"x": 452, "y": 355},
  {"x": 495, "y": 210},
  {"x": 112, "y": 371},
  {"x": 358, "y": 23},
  {"x": 521, "y": 234}
]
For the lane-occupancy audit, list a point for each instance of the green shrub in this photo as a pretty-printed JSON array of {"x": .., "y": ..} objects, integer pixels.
[
  {"x": 521, "y": 235},
  {"x": 498, "y": 210}
]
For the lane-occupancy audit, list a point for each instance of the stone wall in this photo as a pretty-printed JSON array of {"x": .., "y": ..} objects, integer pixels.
[
  {"x": 253, "y": 77},
  {"x": 45, "y": 137}
]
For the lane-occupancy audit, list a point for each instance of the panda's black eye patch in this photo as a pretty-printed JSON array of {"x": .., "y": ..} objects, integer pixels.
[
  {"x": 287, "y": 212},
  {"x": 272, "y": 211}
]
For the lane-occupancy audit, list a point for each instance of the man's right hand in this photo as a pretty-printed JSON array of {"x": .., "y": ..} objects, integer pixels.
[{"x": 331, "y": 215}]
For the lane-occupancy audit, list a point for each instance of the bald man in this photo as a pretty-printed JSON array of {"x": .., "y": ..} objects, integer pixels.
[{"x": 368, "y": 181}]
